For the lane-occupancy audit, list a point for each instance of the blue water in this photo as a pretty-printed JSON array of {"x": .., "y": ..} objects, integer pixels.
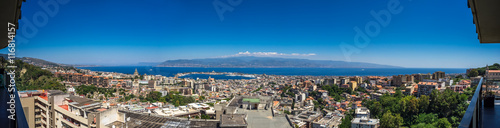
[
  {"x": 171, "y": 71},
  {"x": 204, "y": 76}
]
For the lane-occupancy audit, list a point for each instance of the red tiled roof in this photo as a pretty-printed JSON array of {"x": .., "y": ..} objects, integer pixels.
[
  {"x": 101, "y": 109},
  {"x": 495, "y": 71},
  {"x": 151, "y": 107},
  {"x": 44, "y": 97},
  {"x": 64, "y": 107}
]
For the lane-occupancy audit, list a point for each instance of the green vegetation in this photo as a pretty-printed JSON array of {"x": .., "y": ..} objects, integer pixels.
[
  {"x": 201, "y": 98},
  {"x": 360, "y": 89},
  {"x": 154, "y": 96},
  {"x": 173, "y": 97},
  {"x": 286, "y": 91},
  {"x": 439, "y": 109},
  {"x": 127, "y": 98},
  {"x": 482, "y": 70},
  {"x": 335, "y": 91},
  {"x": 30, "y": 77},
  {"x": 346, "y": 122},
  {"x": 319, "y": 104},
  {"x": 204, "y": 116},
  {"x": 89, "y": 90},
  {"x": 210, "y": 104},
  {"x": 390, "y": 120},
  {"x": 287, "y": 112},
  {"x": 258, "y": 89}
]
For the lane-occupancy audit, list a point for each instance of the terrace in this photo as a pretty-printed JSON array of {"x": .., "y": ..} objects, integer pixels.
[{"x": 477, "y": 114}]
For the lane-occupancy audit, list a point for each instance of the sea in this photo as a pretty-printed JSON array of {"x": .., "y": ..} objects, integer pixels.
[{"x": 172, "y": 71}]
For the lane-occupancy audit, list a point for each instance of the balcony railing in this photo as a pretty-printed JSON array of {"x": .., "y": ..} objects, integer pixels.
[{"x": 473, "y": 115}]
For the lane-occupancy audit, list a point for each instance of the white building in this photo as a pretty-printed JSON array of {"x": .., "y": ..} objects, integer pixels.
[
  {"x": 365, "y": 123},
  {"x": 362, "y": 112}
]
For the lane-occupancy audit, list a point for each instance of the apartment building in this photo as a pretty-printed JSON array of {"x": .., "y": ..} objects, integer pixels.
[
  {"x": 362, "y": 112},
  {"x": 401, "y": 80},
  {"x": 357, "y": 79},
  {"x": 493, "y": 75},
  {"x": 84, "y": 79},
  {"x": 56, "y": 109},
  {"x": 438, "y": 75},
  {"x": 353, "y": 85},
  {"x": 365, "y": 123},
  {"x": 422, "y": 77},
  {"x": 307, "y": 118},
  {"x": 425, "y": 88},
  {"x": 331, "y": 81}
]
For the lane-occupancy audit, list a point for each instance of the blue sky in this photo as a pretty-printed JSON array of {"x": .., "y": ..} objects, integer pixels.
[{"x": 424, "y": 34}]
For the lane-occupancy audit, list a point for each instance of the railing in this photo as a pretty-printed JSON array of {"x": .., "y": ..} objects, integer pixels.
[{"x": 473, "y": 115}]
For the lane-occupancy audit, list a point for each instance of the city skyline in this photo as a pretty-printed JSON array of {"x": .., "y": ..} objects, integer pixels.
[{"x": 127, "y": 32}]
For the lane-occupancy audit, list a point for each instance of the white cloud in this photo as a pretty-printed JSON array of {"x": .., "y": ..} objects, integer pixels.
[{"x": 269, "y": 54}]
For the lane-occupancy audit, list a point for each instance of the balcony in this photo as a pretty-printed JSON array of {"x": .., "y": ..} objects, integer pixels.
[
  {"x": 479, "y": 116},
  {"x": 71, "y": 124},
  {"x": 43, "y": 99},
  {"x": 43, "y": 115},
  {"x": 65, "y": 112},
  {"x": 40, "y": 106}
]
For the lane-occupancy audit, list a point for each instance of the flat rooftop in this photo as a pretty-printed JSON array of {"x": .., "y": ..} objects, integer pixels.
[
  {"x": 81, "y": 102},
  {"x": 251, "y": 100},
  {"x": 139, "y": 120},
  {"x": 365, "y": 121},
  {"x": 233, "y": 120},
  {"x": 265, "y": 119}
]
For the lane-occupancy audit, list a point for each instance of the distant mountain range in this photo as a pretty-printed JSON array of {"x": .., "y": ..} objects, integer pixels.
[
  {"x": 36, "y": 62},
  {"x": 44, "y": 63},
  {"x": 268, "y": 62},
  {"x": 230, "y": 62}
]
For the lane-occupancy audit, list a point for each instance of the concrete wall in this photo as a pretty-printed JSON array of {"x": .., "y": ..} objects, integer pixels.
[
  {"x": 108, "y": 116},
  {"x": 58, "y": 99},
  {"x": 28, "y": 104}
]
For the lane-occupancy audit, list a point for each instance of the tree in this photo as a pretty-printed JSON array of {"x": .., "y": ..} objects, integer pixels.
[
  {"x": 204, "y": 116},
  {"x": 376, "y": 109},
  {"x": 346, "y": 122},
  {"x": 391, "y": 121},
  {"x": 287, "y": 112},
  {"x": 423, "y": 103},
  {"x": 423, "y": 125},
  {"x": 398, "y": 94},
  {"x": 409, "y": 108},
  {"x": 177, "y": 104},
  {"x": 153, "y": 96},
  {"x": 473, "y": 73},
  {"x": 162, "y": 99},
  {"x": 427, "y": 118},
  {"x": 443, "y": 123}
]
